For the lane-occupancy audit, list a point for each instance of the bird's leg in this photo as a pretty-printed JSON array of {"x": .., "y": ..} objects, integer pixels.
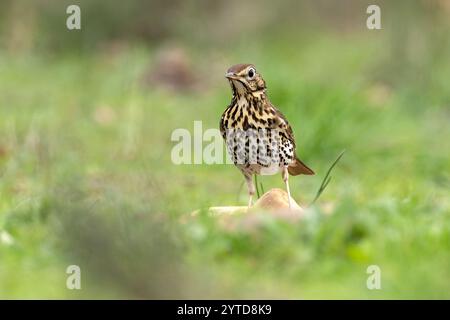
[
  {"x": 251, "y": 188},
  {"x": 285, "y": 176}
]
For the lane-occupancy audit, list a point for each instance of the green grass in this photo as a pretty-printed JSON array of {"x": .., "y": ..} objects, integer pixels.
[{"x": 86, "y": 177}]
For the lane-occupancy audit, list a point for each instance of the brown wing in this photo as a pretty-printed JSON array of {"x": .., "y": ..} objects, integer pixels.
[
  {"x": 280, "y": 122},
  {"x": 297, "y": 167}
]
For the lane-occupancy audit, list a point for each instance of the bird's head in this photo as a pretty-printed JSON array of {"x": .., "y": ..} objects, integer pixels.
[{"x": 245, "y": 79}]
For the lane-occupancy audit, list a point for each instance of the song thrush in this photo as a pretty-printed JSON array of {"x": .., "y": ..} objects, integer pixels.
[{"x": 258, "y": 136}]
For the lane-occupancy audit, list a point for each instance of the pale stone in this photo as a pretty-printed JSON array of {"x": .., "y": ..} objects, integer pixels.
[{"x": 274, "y": 203}]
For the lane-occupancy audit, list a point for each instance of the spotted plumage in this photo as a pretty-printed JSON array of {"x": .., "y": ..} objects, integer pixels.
[{"x": 258, "y": 136}]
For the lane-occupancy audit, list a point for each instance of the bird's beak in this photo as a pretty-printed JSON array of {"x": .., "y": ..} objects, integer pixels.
[{"x": 230, "y": 75}]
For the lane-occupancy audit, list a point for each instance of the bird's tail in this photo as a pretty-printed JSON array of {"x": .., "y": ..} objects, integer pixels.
[{"x": 298, "y": 167}]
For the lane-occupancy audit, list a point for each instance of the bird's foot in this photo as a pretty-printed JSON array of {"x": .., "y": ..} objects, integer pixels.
[{"x": 250, "y": 202}]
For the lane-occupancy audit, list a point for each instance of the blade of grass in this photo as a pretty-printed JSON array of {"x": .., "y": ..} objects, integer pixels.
[
  {"x": 256, "y": 185},
  {"x": 326, "y": 180},
  {"x": 262, "y": 188}
]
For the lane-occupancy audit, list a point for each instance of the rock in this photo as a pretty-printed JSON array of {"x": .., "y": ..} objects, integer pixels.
[
  {"x": 276, "y": 199},
  {"x": 273, "y": 203},
  {"x": 230, "y": 210}
]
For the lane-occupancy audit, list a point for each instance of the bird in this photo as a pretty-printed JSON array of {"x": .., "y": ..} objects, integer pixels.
[{"x": 258, "y": 137}]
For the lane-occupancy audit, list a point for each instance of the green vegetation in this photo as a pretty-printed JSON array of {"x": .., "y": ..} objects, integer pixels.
[{"x": 86, "y": 176}]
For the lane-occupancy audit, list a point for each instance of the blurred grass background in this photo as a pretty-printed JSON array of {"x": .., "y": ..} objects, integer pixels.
[{"x": 85, "y": 171}]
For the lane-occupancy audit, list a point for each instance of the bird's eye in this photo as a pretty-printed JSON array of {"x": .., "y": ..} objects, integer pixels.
[{"x": 251, "y": 73}]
